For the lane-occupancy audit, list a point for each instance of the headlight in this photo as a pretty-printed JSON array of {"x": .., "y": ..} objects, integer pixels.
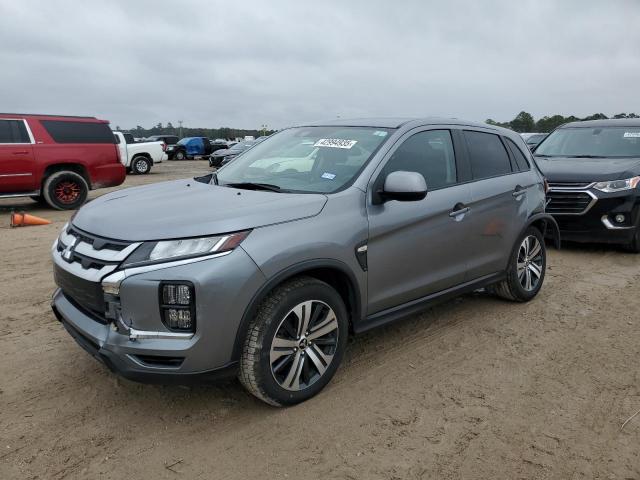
[
  {"x": 617, "y": 185},
  {"x": 170, "y": 250}
]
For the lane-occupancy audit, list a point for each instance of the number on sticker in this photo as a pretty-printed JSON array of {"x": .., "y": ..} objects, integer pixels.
[{"x": 335, "y": 143}]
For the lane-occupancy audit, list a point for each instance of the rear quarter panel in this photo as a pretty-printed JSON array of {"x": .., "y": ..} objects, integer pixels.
[{"x": 99, "y": 160}]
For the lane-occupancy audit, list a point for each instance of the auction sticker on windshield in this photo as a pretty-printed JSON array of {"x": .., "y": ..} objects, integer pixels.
[
  {"x": 631, "y": 134},
  {"x": 335, "y": 143}
]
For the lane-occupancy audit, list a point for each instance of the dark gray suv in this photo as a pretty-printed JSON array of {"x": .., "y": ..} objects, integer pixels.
[{"x": 264, "y": 268}]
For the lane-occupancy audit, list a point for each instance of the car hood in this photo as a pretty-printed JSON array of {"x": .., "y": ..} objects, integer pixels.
[
  {"x": 563, "y": 169},
  {"x": 188, "y": 208}
]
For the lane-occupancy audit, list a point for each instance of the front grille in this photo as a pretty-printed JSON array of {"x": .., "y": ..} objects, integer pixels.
[
  {"x": 85, "y": 294},
  {"x": 81, "y": 261},
  {"x": 573, "y": 185},
  {"x": 569, "y": 203}
]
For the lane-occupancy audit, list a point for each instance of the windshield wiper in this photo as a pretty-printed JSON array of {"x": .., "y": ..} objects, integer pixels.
[
  {"x": 584, "y": 156},
  {"x": 254, "y": 186}
]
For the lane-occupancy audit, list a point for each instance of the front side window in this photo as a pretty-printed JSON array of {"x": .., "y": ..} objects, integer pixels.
[
  {"x": 592, "y": 142},
  {"x": 306, "y": 159},
  {"x": 13, "y": 131},
  {"x": 429, "y": 153},
  {"x": 487, "y": 155}
]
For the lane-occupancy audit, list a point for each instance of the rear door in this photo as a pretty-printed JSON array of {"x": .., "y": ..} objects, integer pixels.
[
  {"x": 498, "y": 202},
  {"x": 418, "y": 248},
  {"x": 17, "y": 162}
]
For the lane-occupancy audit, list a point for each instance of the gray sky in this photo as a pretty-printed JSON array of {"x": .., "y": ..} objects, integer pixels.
[{"x": 245, "y": 63}]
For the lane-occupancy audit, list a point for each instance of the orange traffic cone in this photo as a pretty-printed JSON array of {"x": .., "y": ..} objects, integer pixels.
[{"x": 24, "y": 219}]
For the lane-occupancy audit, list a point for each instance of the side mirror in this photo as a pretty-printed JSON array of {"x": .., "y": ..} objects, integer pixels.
[{"x": 404, "y": 186}]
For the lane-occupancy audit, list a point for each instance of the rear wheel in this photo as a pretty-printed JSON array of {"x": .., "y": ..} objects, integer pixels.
[
  {"x": 140, "y": 165},
  {"x": 526, "y": 270},
  {"x": 65, "y": 190},
  {"x": 295, "y": 343}
]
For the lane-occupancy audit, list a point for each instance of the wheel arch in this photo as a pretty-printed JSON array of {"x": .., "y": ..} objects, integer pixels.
[
  {"x": 546, "y": 224},
  {"x": 333, "y": 272},
  {"x": 72, "y": 167}
]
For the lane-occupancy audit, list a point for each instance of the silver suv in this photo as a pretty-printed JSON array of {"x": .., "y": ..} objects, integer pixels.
[{"x": 264, "y": 268}]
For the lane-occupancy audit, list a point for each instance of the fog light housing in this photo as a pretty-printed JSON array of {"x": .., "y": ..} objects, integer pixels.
[
  {"x": 619, "y": 218},
  {"x": 177, "y": 306}
]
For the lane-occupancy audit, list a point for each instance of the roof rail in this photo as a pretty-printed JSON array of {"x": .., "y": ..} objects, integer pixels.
[{"x": 47, "y": 115}]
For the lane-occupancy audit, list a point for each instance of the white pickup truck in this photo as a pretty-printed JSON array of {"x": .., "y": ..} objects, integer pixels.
[{"x": 139, "y": 157}]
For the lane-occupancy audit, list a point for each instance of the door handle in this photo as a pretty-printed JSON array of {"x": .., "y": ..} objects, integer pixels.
[
  {"x": 21, "y": 152},
  {"x": 458, "y": 210},
  {"x": 519, "y": 191}
]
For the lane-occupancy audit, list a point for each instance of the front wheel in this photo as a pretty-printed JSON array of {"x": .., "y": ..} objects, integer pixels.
[
  {"x": 295, "y": 343},
  {"x": 634, "y": 245},
  {"x": 65, "y": 190},
  {"x": 526, "y": 270},
  {"x": 179, "y": 155}
]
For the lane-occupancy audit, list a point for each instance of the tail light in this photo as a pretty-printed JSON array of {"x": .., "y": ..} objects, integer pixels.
[
  {"x": 118, "y": 154},
  {"x": 164, "y": 147}
]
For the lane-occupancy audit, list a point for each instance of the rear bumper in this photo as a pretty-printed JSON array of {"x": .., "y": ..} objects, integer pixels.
[{"x": 109, "y": 175}]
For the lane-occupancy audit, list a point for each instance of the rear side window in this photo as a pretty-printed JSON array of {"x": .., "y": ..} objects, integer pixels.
[
  {"x": 521, "y": 160},
  {"x": 429, "y": 153},
  {"x": 13, "y": 131},
  {"x": 78, "y": 132},
  {"x": 487, "y": 155}
]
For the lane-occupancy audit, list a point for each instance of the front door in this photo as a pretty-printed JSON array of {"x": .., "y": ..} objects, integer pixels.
[
  {"x": 417, "y": 248},
  {"x": 17, "y": 163}
]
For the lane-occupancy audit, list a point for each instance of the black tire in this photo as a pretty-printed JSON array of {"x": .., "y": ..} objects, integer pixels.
[
  {"x": 179, "y": 155},
  {"x": 256, "y": 364},
  {"x": 512, "y": 287},
  {"x": 65, "y": 190},
  {"x": 140, "y": 165}
]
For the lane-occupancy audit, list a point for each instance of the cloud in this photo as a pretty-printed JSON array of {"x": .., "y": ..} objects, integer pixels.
[{"x": 282, "y": 62}]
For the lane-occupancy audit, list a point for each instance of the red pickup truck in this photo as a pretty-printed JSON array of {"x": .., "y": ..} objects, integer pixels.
[{"x": 57, "y": 159}]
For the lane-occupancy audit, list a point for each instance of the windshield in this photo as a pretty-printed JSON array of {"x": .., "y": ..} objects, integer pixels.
[
  {"x": 306, "y": 159},
  {"x": 592, "y": 142},
  {"x": 184, "y": 141}
]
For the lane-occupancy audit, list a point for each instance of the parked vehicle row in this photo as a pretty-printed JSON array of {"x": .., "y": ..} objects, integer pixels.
[
  {"x": 533, "y": 139},
  {"x": 225, "y": 155},
  {"x": 57, "y": 159},
  {"x": 139, "y": 157},
  {"x": 593, "y": 169},
  {"x": 327, "y": 229}
]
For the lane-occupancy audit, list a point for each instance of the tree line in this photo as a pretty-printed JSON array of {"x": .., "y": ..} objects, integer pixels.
[
  {"x": 212, "y": 133},
  {"x": 524, "y": 121}
]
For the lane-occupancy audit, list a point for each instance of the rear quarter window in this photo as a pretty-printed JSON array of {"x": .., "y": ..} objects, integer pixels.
[
  {"x": 521, "y": 160},
  {"x": 63, "y": 131}
]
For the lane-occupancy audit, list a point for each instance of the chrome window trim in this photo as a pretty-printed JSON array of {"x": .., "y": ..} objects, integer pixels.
[{"x": 594, "y": 199}]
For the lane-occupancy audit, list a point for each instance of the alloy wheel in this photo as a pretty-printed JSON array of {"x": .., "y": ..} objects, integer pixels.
[
  {"x": 67, "y": 191},
  {"x": 530, "y": 263},
  {"x": 304, "y": 345}
]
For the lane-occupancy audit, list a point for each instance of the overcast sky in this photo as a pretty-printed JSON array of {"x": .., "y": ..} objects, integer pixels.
[{"x": 247, "y": 63}]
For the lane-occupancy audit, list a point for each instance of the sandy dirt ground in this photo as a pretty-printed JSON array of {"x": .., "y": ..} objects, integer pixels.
[{"x": 477, "y": 388}]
